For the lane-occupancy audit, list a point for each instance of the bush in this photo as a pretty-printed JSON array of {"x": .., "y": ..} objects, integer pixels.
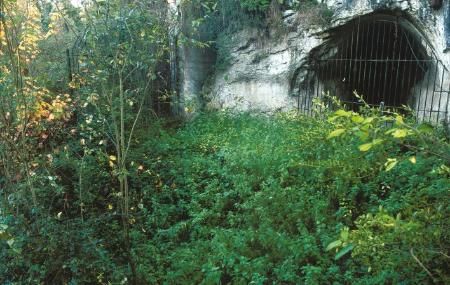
[
  {"x": 250, "y": 199},
  {"x": 240, "y": 199},
  {"x": 259, "y": 6}
]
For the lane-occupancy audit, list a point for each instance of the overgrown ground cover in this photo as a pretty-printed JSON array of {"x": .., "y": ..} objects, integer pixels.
[
  {"x": 242, "y": 199},
  {"x": 100, "y": 185},
  {"x": 255, "y": 200}
]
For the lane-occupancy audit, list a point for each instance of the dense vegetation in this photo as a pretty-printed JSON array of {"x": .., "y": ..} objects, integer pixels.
[
  {"x": 239, "y": 199},
  {"x": 99, "y": 185}
]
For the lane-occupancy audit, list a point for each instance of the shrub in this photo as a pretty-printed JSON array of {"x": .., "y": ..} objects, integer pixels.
[{"x": 241, "y": 198}]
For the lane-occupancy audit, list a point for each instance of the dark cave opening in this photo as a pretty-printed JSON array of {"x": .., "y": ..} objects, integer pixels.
[{"x": 377, "y": 57}]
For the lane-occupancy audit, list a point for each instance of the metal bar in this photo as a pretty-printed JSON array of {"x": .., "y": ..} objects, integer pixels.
[
  {"x": 355, "y": 70},
  {"x": 312, "y": 97},
  {"x": 391, "y": 77},
  {"x": 318, "y": 84},
  {"x": 407, "y": 67},
  {"x": 333, "y": 77},
  {"x": 367, "y": 55},
  {"x": 370, "y": 87},
  {"x": 302, "y": 99},
  {"x": 412, "y": 90},
  {"x": 372, "y": 105},
  {"x": 447, "y": 104},
  {"x": 386, "y": 67},
  {"x": 341, "y": 72},
  {"x": 374, "y": 86},
  {"x": 359, "y": 56},
  {"x": 416, "y": 79},
  {"x": 440, "y": 95},
  {"x": 309, "y": 99},
  {"x": 398, "y": 67},
  {"x": 323, "y": 75},
  {"x": 434, "y": 88},
  {"x": 432, "y": 111},
  {"x": 311, "y": 91},
  {"x": 69, "y": 66},
  {"x": 346, "y": 69},
  {"x": 377, "y": 60},
  {"x": 350, "y": 75},
  {"x": 427, "y": 91}
]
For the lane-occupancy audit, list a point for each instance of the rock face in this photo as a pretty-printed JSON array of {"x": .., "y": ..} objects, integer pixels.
[{"x": 268, "y": 73}]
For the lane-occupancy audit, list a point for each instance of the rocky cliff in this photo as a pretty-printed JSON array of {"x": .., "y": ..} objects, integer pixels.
[{"x": 267, "y": 72}]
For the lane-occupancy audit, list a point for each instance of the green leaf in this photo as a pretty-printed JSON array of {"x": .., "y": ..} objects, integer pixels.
[
  {"x": 365, "y": 147},
  {"x": 332, "y": 119},
  {"x": 10, "y": 242},
  {"x": 344, "y": 251},
  {"x": 363, "y": 135},
  {"x": 334, "y": 244},
  {"x": 377, "y": 141},
  {"x": 336, "y": 133},
  {"x": 344, "y": 234},
  {"x": 3, "y": 233},
  {"x": 425, "y": 128},
  {"x": 369, "y": 120},
  {"x": 390, "y": 164},
  {"x": 388, "y": 132}
]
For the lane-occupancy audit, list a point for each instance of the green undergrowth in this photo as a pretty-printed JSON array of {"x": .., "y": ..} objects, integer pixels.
[{"x": 248, "y": 199}]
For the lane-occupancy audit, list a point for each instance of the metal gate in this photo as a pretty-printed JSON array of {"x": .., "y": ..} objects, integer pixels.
[{"x": 382, "y": 59}]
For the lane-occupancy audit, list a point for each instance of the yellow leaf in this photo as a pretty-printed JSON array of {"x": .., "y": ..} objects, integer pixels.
[
  {"x": 343, "y": 113},
  {"x": 390, "y": 164},
  {"x": 365, "y": 147},
  {"x": 399, "y": 120},
  {"x": 110, "y": 207},
  {"x": 357, "y": 119},
  {"x": 400, "y": 133},
  {"x": 336, "y": 133},
  {"x": 368, "y": 120},
  {"x": 112, "y": 158},
  {"x": 413, "y": 159}
]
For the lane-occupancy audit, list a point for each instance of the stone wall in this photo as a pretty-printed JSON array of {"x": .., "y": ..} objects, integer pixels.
[{"x": 265, "y": 72}]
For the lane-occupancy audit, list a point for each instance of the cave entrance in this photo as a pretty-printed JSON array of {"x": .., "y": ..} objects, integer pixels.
[{"x": 383, "y": 58}]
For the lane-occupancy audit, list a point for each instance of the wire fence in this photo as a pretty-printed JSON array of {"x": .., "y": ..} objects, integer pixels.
[{"x": 157, "y": 98}]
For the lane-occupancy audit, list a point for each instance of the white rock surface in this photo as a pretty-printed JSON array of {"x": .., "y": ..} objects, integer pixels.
[{"x": 263, "y": 71}]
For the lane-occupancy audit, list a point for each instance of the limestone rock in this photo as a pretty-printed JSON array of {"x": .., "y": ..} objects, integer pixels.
[{"x": 265, "y": 72}]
